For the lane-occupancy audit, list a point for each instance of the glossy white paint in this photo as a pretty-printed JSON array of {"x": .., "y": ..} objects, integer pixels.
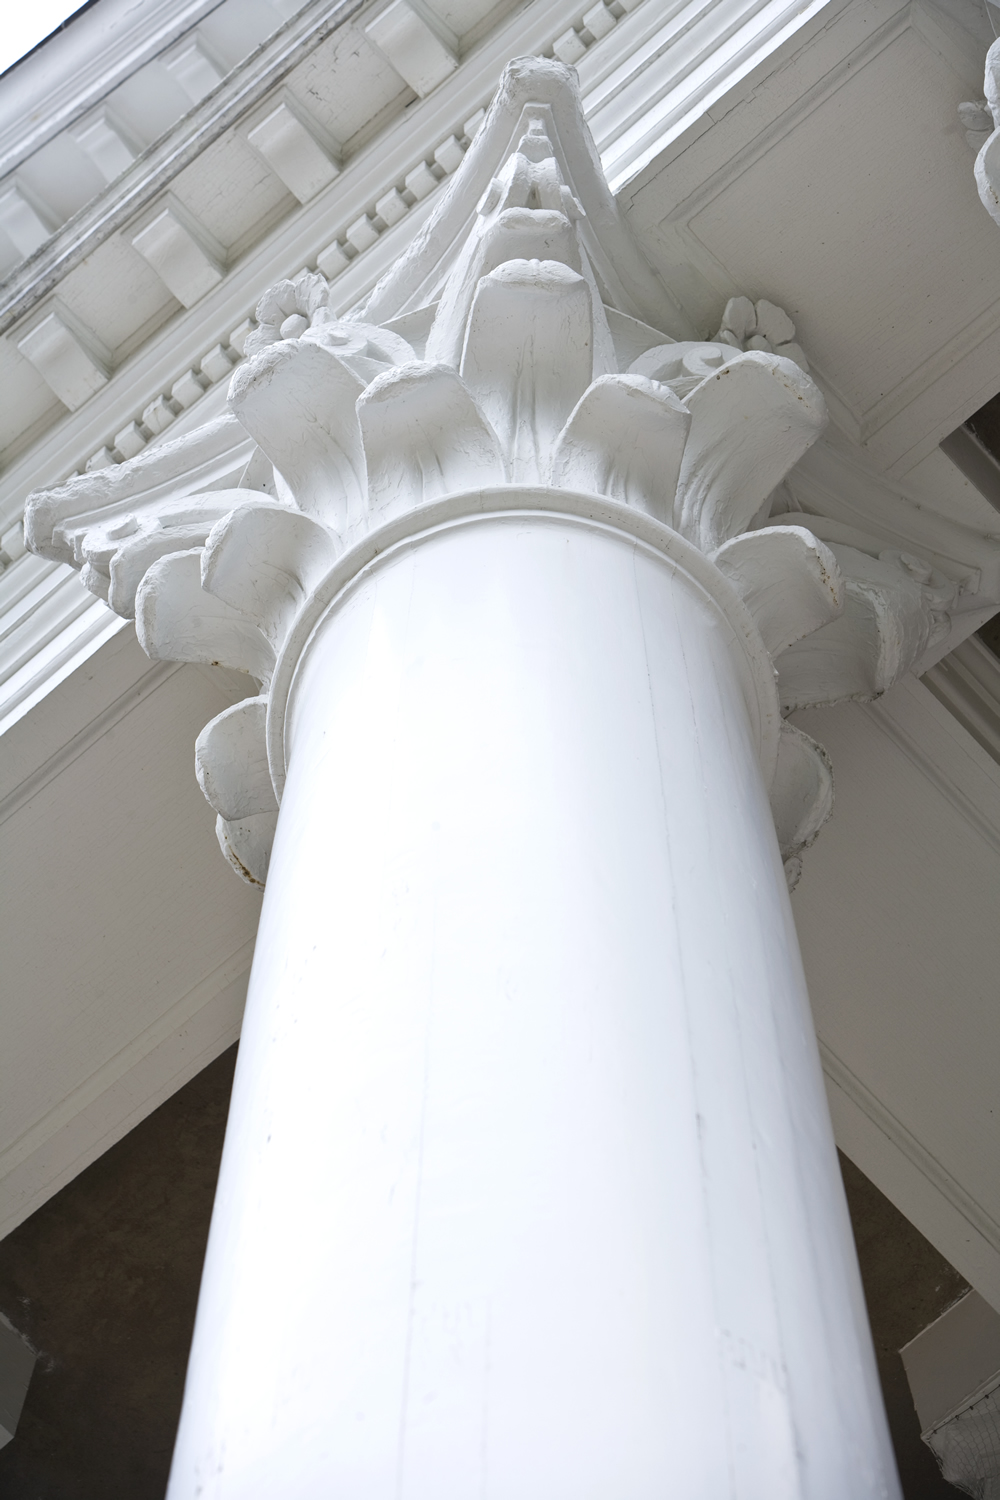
[{"x": 528, "y": 1124}]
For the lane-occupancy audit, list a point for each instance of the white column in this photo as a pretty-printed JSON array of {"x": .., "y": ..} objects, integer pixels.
[{"x": 529, "y": 1190}]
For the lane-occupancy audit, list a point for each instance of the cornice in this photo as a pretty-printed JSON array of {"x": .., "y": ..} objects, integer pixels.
[
  {"x": 157, "y": 166},
  {"x": 655, "y": 76},
  {"x": 78, "y": 66}
]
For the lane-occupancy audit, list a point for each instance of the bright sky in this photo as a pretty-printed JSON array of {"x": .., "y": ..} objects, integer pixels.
[{"x": 28, "y": 23}]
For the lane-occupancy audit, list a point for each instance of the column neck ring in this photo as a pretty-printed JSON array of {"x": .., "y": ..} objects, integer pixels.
[{"x": 509, "y": 503}]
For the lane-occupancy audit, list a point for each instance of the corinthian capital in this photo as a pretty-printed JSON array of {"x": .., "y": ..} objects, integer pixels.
[{"x": 517, "y": 350}]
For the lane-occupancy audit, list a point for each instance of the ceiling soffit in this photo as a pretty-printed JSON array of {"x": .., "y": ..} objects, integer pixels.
[{"x": 842, "y": 187}]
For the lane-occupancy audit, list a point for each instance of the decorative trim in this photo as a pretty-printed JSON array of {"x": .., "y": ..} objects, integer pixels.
[
  {"x": 677, "y": 74},
  {"x": 104, "y": 59},
  {"x": 54, "y": 628},
  {"x": 917, "y": 1155},
  {"x": 677, "y": 223},
  {"x": 473, "y": 85},
  {"x": 156, "y": 167},
  {"x": 902, "y": 396},
  {"x": 967, "y": 682},
  {"x": 409, "y": 189}
]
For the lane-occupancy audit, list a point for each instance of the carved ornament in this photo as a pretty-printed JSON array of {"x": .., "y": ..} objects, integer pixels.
[{"x": 516, "y": 347}]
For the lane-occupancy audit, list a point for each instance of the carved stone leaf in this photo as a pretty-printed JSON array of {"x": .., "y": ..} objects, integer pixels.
[
  {"x": 801, "y": 795},
  {"x": 247, "y": 843},
  {"x": 136, "y": 554},
  {"x": 424, "y": 436},
  {"x": 787, "y": 578},
  {"x": 263, "y": 560},
  {"x": 230, "y": 758},
  {"x": 750, "y": 422},
  {"x": 987, "y": 171},
  {"x": 515, "y": 234},
  {"x": 362, "y": 347},
  {"x": 61, "y": 523},
  {"x": 176, "y": 620},
  {"x": 529, "y": 357},
  {"x": 297, "y": 398},
  {"x": 543, "y": 89},
  {"x": 894, "y": 607},
  {"x": 625, "y": 440},
  {"x": 682, "y": 366},
  {"x": 119, "y": 555}
]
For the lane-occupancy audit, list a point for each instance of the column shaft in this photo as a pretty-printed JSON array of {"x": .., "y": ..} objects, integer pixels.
[{"x": 529, "y": 1190}]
